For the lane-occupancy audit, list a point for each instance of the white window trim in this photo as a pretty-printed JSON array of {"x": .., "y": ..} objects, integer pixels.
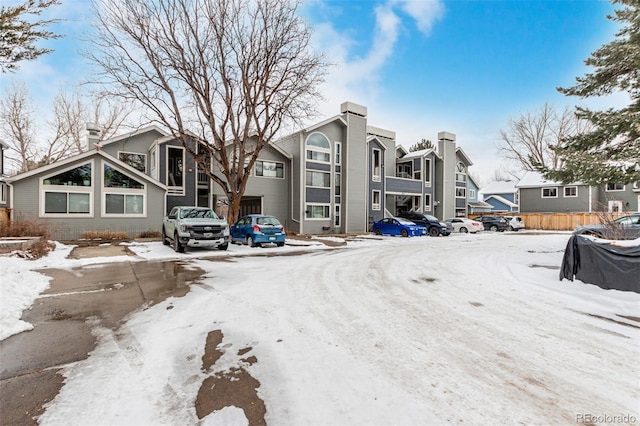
[
  {"x": 255, "y": 171},
  {"x": 376, "y": 177},
  {"x": 317, "y": 171},
  {"x": 549, "y": 188},
  {"x": 317, "y": 149},
  {"x": 3, "y": 192},
  {"x": 464, "y": 191},
  {"x": 427, "y": 177},
  {"x": 306, "y": 207},
  {"x": 135, "y": 153},
  {"x": 122, "y": 191},
  {"x": 336, "y": 217},
  {"x": 337, "y": 149},
  {"x": 427, "y": 202},
  {"x": 42, "y": 188},
  {"x": 175, "y": 190},
  {"x": 472, "y": 194},
  {"x": 614, "y": 190},
  {"x": 376, "y": 206},
  {"x": 564, "y": 192}
]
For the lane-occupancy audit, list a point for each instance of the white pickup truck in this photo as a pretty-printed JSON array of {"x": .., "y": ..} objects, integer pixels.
[{"x": 188, "y": 226}]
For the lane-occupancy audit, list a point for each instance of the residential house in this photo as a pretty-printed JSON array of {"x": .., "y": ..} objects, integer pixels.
[
  {"x": 475, "y": 204},
  {"x": 502, "y": 196},
  {"x": 539, "y": 195},
  {"x": 336, "y": 176}
]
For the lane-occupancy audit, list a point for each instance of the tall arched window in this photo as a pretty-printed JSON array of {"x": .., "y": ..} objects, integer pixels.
[
  {"x": 318, "y": 148},
  {"x": 461, "y": 172}
]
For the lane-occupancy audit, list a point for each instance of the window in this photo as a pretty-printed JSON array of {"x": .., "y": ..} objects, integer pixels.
[
  {"x": 461, "y": 192},
  {"x": 404, "y": 171},
  {"x": 175, "y": 170},
  {"x": 137, "y": 161},
  {"x": 570, "y": 191},
  {"x": 427, "y": 172},
  {"x": 3, "y": 193},
  {"x": 317, "y": 211},
  {"x": 337, "y": 185},
  {"x": 377, "y": 164},
  {"x": 375, "y": 200},
  {"x": 123, "y": 195},
  {"x": 417, "y": 175},
  {"x": 68, "y": 193},
  {"x": 338, "y": 154},
  {"x": 611, "y": 187},
  {"x": 318, "y": 148},
  {"x": 427, "y": 202},
  {"x": 152, "y": 164},
  {"x": 318, "y": 179},
  {"x": 270, "y": 169},
  {"x": 336, "y": 217},
  {"x": 549, "y": 192},
  {"x": 472, "y": 193},
  {"x": 461, "y": 172}
]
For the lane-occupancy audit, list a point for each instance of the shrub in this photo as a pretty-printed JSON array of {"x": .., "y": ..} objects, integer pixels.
[
  {"x": 24, "y": 228},
  {"x": 104, "y": 235},
  {"x": 150, "y": 234}
]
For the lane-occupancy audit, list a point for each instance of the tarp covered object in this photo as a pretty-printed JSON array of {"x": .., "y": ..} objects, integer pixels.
[{"x": 604, "y": 264}]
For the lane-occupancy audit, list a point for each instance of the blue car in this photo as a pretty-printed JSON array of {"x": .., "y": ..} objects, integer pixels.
[
  {"x": 398, "y": 226},
  {"x": 257, "y": 229}
]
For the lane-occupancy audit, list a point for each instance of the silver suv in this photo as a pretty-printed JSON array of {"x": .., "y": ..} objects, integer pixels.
[
  {"x": 514, "y": 223},
  {"x": 194, "y": 227}
]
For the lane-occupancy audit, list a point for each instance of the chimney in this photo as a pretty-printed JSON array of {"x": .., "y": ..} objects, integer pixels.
[{"x": 93, "y": 136}]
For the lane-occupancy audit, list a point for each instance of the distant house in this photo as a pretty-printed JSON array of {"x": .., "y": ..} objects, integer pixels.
[
  {"x": 502, "y": 196},
  {"x": 475, "y": 204},
  {"x": 540, "y": 195}
]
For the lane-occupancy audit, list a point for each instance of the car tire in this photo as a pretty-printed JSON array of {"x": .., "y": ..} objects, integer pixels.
[
  {"x": 493, "y": 228},
  {"x": 464, "y": 230},
  {"x": 377, "y": 231},
  {"x": 280, "y": 244},
  {"x": 250, "y": 242},
  {"x": 165, "y": 242},
  {"x": 177, "y": 246},
  {"x": 404, "y": 233},
  {"x": 223, "y": 246},
  {"x": 509, "y": 228},
  {"x": 434, "y": 232}
]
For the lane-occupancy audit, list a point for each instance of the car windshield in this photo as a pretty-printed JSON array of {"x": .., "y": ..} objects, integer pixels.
[
  {"x": 628, "y": 220},
  {"x": 197, "y": 213},
  {"x": 431, "y": 218},
  {"x": 404, "y": 221},
  {"x": 267, "y": 220}
]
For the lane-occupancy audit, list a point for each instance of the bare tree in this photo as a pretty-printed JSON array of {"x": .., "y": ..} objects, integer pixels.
[
  {"x": 227, "y": 73},
  {"x": 16, "y": 127},
  {"x": 36, "y": 142},
  {"x": 529, "y": 140}
]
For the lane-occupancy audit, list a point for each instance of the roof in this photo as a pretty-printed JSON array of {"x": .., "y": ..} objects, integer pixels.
[
  {"x": 502, "y": 200},
  {"x": 464, "y": 155},
  {"x": 418, "y": 154},
  {"x": 134, "y": 133},
  {"x": 339, "y": 118},
  {"x": 536, "y": 180},
  {"x": 500, "y": 187},
  {"x": 480, "y": 204},
  {"x": 4, "y": 144}
]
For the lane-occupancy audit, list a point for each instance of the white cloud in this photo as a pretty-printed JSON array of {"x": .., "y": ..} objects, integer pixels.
[{"x": 425, "y": 12}]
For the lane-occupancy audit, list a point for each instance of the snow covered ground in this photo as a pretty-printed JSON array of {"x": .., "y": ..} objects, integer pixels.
[{"x": 472, "y": 329}]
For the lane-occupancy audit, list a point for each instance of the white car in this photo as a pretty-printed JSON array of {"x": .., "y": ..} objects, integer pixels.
[
  {"x": 464, "y": 225},
  {"x": 515, "y": 223}
]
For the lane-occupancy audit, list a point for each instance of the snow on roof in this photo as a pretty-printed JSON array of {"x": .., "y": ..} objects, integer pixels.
[
  {"x": 502, "y": 200},
  {"x": 501, "y": 187},
  {"x": 536, "y": 180},
  {"x": 418, "y": 154}
]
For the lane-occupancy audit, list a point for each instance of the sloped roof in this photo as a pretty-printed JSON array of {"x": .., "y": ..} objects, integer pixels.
[
  {"x": 479, "y": 204},
  {"x": 464, "y": 155},
  {"x": 419, "y": 153},
  {"x": 536, "y": 180},
  {"x": 502, "y": 200},
  {"x": 501, "y": 187}
]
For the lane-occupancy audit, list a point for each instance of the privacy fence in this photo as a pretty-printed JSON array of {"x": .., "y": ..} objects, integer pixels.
[{"x": 562, "y": 221}]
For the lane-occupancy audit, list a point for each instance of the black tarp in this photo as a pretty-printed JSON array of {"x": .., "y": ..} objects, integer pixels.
[{"x": 604, "y": 264}]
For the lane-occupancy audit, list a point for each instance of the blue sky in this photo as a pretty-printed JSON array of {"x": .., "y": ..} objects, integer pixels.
[{"x": 420, "y": 67}]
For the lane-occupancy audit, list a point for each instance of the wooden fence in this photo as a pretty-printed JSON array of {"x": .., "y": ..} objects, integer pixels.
[{"x": 560, "y": 221}]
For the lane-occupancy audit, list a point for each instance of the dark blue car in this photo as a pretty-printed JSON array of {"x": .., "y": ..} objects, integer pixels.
[
  {"x": 257, "y": 229},
  {"x": 398, "y": 226}
]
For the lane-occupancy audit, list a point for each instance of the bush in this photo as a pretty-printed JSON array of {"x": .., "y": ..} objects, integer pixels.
[
  {"x": 150, "y": 234},
  {"x": 104, "y": 235},
  {"x": 24, "y": 228}
]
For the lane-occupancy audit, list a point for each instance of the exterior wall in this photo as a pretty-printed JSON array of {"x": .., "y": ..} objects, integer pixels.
[
  {"x": 446, "y": 193},
  {"x": 189, "y": 174},
  {"x": 375, "y": 215},
  {"x": 356, "y": 188},
  {"x": 531, "y": 201},
  {"x": 140, "y": 144},
  {"x": 628, "y": 198},
  {"x": 498, "y": 206},
  {"x": 28, "y": 207}
]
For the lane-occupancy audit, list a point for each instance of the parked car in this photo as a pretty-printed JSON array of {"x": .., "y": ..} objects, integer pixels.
[
  {"x": 514, "y": 223},
  {"x": 464, "y": 225},
  {"x": 493, "y": 223},
  {"x": 190, "y": 226},
  {"x": 622, "y": 228},
  {"x": 434, "y": 226},
  {"x": 257, "y": 229},
  {"x": 398, "y": 226}
]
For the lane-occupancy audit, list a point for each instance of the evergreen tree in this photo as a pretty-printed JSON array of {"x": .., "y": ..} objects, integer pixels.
[
  {"x": 18, "y": 36},
  {"x": 610, "y": 152},
  {"x": 423, "y": 144}
]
